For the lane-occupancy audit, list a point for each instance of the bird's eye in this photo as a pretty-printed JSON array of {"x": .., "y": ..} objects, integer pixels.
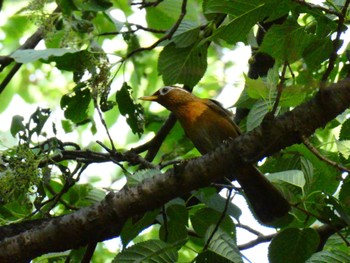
[{"x": 164, "y": 90}]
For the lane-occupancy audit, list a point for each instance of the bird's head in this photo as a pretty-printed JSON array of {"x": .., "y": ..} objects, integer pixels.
[{"x": 170, "y": 97}]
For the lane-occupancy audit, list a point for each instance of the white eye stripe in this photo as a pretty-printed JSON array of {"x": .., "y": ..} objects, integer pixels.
[{"x": 167, "y": 89}]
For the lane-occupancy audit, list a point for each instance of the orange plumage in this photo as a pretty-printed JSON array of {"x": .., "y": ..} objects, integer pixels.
[{"x": 207, "y": 125}]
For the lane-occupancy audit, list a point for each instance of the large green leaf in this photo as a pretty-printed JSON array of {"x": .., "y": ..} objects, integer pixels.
[
  {"x": 31, "y": 55},
  {"x": 294, "y": 177},
  {"x": 182, "y": 65},
  {"x": 245, "y": 15},
  {"x": 167, "y": 12},
  {"x": 147, "y": 252},
  {"x": 286, "y": 42},
  {"x": 186, "y": 34},
  {"x": 321, "y": 176},
  {"x": 293, "y": 245},
  {"x": 223, "y": 244},
  {"x": 334, "y": 256},
  {"x": 257, "y": 113},
  {"x": 132, "y": 229}
]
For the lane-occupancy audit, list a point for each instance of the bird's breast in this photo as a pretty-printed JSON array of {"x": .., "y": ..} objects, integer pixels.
[{"x": 204, "y": 127}]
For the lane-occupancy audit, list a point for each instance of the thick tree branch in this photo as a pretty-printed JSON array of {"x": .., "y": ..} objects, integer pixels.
[{"x": 105, "y": 219}]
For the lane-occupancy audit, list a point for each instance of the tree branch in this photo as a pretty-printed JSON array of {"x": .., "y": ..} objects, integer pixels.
[{"x": 105, "y": 219}]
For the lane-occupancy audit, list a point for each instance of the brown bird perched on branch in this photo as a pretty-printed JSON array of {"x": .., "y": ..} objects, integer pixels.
[{"x": 207, "y": 124}]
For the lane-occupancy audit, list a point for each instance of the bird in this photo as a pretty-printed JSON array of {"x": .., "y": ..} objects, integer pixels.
[{"x": 207, "y": 124}]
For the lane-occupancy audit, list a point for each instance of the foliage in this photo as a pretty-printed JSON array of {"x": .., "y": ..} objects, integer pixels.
[{"x": 96, "y": 57}]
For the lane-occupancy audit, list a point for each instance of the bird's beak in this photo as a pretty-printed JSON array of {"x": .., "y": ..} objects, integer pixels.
[{"x": 149, "y": 98}]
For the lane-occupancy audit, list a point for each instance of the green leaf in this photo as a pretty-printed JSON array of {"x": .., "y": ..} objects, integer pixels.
[
  {"x": 93, "y": 5},
  {"x": 147, "y": 252},
  {"x": 165, "y": 14},
  {"x": 182, "y": 65},
  {"x": 345, "y": 130},
  {"x": 257, "y": 113},
  {"x": 75, "y": 105},
  {"x": 244, "y": 101},
  {"x": 72, "y": 61},
  {"x": 205, "y": 217},
  {"x": 186, "y": 34},
  {"x": 213, "y": 200},
  {"x": 321, "y": 177},
  {"x": 132, "y": 229},
  {"x": 67, "y": 6},
  {"x": 17, "y": 125},
  {"x": 294, "y": 177},
  {"x": 131, "y": 110},
  {"x": 286, "y": 42},
  {"x": 245, "y": 15},
  {"x": 39, "y": 117},
  {"x": 341, "y": 211},
  {"x": 223, "y": 244},
  {"x": 140, "y": 176},
  {"x": 256, "y": 88},
  {"x": 344, "y": 196},
  {"x": 293, "y": 245},
  {"x": 31, "y": 55},
  {"x": 172, "y": 232},
  {"x": 318, "y": 51},
  {"x": 336, "y": 242},
  {"x": 344, "y": 148},
  {"x": 177, "y": 213},
  {"x": 334, "y": 256},
  {"x": 292, "y": 96}
]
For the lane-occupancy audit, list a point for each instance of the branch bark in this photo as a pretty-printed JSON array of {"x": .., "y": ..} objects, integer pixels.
[{"x": 105, "y": 219}]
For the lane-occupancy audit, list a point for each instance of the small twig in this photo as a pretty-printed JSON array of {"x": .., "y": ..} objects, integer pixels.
[
  {"x": 222, "y": 216},
  {"x": 312, "y": 148},
  {"x": 138, "y": 27},
  {"x": 257, "y": 241},
  {"x": 249, "y": 229},
  {"x": 336, "y": 42},
  {"x": 89, "y": 252},
  {"x": 103, "y": 122},
  {"x": 279, "y": 89},
  {"x": 165, "y": 224},
  {"x": 308, "y": 213},
  {"x": 227, "y": 186},
  {"x": 168, "y": 36},
  {"x": 172, "y": 162},
  {"x": 157, "y": 141}
]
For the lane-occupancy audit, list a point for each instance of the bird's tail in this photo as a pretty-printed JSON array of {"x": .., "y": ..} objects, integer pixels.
[{"x": 267, "y": 202}]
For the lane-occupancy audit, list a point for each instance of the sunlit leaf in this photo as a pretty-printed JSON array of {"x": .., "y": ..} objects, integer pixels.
[
  {"x": 182, "y": 65},
  {"x": 31, "y": 55},
  {"x": 295, "y": 177}
]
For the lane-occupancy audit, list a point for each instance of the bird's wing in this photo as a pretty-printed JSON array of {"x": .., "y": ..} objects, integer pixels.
[{"x": 217, "y": 107}]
